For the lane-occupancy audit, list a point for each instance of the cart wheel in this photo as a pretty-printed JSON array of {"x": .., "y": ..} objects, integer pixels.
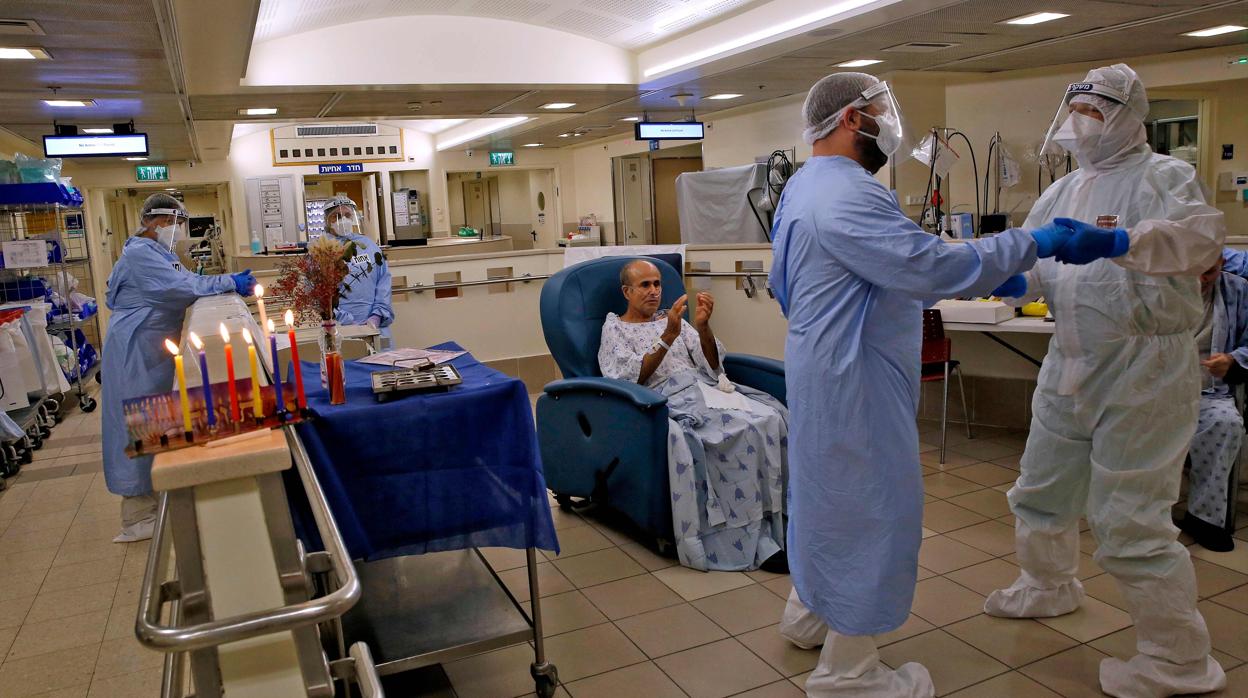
[
  {"x": 99, "y": 377},
  {"x": 44, "y": 432},
  {"x": 564, "y": 501},
  {"x": 545, "y": 680},
  {"x": 87, "y": 404},
  {"x": 27, "y": 458}
]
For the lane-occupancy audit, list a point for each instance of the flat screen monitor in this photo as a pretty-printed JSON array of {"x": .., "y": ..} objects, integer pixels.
[
  {"x": 100, "y": 146},
  {"x": 200, "y": 225},
  {"x": 669, "y": 130}
]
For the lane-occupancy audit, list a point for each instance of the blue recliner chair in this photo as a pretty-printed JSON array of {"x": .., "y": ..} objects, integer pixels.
[{"x": 604, "y": 439}]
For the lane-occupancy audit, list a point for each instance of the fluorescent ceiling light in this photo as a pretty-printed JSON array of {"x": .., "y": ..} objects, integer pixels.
[
  {"x": 1036, "y": 18},
  {"x": 493, "y": 126},
  {"x": 258, "y": 111},
  {"x": 532, "y": 145},
  {"x": 1215, "y": 31},
  {"x": 23, "y": 54},
  {"x": 97, "y": 130},
  {"x": 631, "y": 118},
  {"x": 754, "y": 37},
  {"x": 725, "y": 95},
  {"x": 564, "y": 135},
  {"x": 69, "y": 102},
  {"x": 559, "y": 105},
  {"x": 858, "y": 63},
  {"x": 136, "y": 158}
]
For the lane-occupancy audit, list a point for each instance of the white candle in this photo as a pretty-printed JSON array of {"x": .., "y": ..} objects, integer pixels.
[{"x": 264, "y": 319}]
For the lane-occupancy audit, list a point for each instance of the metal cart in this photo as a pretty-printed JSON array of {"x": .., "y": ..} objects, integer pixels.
[
  {"x": 37, "y": 418},
  {"x": 53, "y": 213}
]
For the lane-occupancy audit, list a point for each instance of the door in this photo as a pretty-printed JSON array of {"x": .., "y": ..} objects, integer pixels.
[
  {"x": 635, "y": 191},
  {"x": 542, "y": 192},
  {"x": 666, "y": 214},
  {"x": 476, "y": 205}
]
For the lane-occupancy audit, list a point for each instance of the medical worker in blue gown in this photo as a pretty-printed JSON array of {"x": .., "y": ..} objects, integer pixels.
[
  {"x": 1117, "y": 400},
  {"x": 853, "y": 275},
  {"x": 148, "y": 294},
  {"x": 366, "y": 291}
]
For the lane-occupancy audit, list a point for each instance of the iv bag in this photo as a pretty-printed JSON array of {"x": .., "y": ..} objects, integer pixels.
[
  {"x": 1011, "y": 172},
  {"x": 946, "y": 157}
]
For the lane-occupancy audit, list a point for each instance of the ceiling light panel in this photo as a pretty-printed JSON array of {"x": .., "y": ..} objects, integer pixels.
[
  {"x": 23, "y": 54},
  {"x": 1036, "y": 18},
  {"x": 858, "y": 63},
  {"x": 69, "y": 102},
  {"x": 1216, "y": 31},
  {"x": 724, "y": 96},
  {"x": 258, "y": 111},
  {"x": 559, "y": 105}
]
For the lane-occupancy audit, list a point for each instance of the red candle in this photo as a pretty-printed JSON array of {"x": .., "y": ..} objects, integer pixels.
[
  {"x": 236, "y": 413},
  {"x": 294, "y": 359}
]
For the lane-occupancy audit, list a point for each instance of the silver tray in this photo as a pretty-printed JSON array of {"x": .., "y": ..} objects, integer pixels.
[{"x": 387, "y": 383}]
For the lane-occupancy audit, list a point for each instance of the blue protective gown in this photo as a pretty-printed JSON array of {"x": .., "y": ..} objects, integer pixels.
[
  {"x": 1236, "y": 262},
  {"x": 370, "y": 293},
  {"x": 853, "y": 275},
  {"x": 148, "y": 292}
]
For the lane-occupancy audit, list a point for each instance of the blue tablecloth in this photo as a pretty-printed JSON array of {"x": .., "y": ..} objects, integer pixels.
[{"x": 427, "y": 472}]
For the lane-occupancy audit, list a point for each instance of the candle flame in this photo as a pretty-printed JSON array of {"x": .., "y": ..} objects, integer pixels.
[
  {"x": 225, "y": 334},
  {"x": 246, "y": 336},
  {"x": 259, "y": 291},
  {"x": 271, "y": 329},
  {"x": 196, "y": 340},
  {"x": 173, "y": 348},
  {"x": 290, "y": 319}
]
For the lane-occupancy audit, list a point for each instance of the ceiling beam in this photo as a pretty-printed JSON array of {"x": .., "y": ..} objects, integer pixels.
[{"x": 166, "y": 21}]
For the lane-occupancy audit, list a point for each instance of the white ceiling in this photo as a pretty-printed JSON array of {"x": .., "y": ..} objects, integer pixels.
[
  {"x": 113, "y": 51},
  {"x": 623, "y": 23}
]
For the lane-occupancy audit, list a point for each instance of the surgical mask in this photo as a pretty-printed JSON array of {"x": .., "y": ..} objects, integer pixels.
[
  {"x": 888, "y": 139},
  {"x": 342, "y": 227},
  {"x": 165, "y": 235},
  {"x": 1081, "y": 135}
]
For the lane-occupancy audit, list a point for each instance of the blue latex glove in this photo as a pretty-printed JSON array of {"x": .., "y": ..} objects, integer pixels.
[
  {"x": 1089, "y": 243},
  {"x": 1014, "y": 287},
  {"x": 1050, "y": 238},
  {"x": 244, "y": 282}
]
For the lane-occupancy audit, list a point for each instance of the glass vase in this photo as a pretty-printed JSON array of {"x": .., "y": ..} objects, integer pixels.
[{"x": 333, "y": 377}]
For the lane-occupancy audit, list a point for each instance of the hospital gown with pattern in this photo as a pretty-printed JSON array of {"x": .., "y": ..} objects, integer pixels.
[{"x": 726, "y": 463}]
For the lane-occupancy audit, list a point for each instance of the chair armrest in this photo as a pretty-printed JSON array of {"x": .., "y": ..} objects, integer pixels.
[
  {"x": 641, "y": 396},
  {"x": 758, "y": 372}
]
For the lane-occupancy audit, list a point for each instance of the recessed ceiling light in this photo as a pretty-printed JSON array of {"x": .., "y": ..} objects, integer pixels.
[
  {"x": 631, "y": 118},
  {"x": 136, "y": 158},
  {"x": 97, "y": 130},
  {"x": 487, "y": 127},
  {"x": 258, "y": 111},
  {"x": 69, "y": 102},
  {"x": 24, "y": 54},
  {"x": 858, "y": 63},
  {"x": 564, "y": 135},
  {"x": 577, "y": 135},
  {"x": 532, "y": 145},
  {"x": 1215, "y": 31},
  {"x": 725, "y": 95},
  {"x": 559, "y": 105},
  {"x": 1036, "y": 18}
]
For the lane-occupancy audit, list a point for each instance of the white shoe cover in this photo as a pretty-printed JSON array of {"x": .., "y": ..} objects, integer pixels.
[
  {"x": 850, "y": 667},
  {"x": 800, "y": 625},
  {"x": 135, "y": 532},
  {"x": 1025, "y": 599},
  {"x": 1150, "y": 677}
]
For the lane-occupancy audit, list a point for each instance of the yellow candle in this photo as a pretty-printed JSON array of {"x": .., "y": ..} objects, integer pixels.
[
  {"x": 257, "y": 404},
  {"x": 264, "y": 320},
  {"x": 186, "y": 404}
]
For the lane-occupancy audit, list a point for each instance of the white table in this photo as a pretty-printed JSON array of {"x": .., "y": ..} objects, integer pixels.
[{"x": 1022, "y": 325}]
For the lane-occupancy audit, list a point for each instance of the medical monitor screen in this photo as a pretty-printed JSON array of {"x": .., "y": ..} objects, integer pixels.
[
  {"x": 669, "y": 131},
  {"x": 82, "y": 146}
]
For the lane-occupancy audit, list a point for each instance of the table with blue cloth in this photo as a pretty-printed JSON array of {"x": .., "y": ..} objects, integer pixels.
[{"x": 427, "y": 472}]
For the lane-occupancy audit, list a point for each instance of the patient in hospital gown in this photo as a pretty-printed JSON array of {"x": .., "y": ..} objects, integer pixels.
[{"x": 725, "y": 450}]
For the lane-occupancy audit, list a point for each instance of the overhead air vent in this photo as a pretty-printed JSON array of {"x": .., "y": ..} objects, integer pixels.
[
  {"x": 336, "y": 130},
  {"x": 20, "y": 26},
  {"x": 921, "y": 47}
]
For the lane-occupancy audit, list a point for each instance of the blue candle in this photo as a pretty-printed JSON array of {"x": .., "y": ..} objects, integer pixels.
[
  {"x": 203, "y": 370},
  {"x": 277, "y": 372}
]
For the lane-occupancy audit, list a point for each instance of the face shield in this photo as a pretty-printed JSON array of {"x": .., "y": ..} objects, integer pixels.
[
  {"x": 341, "y": 217},
  {"x": 1067, "y": 128},
  {"x": 876, "y": 103},
  {"x": 169, "y": 224}
]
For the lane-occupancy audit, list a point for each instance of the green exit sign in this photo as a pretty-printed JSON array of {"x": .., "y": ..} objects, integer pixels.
[
  {"x": 151, "y": 173},
  {"x": 502, "y": 158}
]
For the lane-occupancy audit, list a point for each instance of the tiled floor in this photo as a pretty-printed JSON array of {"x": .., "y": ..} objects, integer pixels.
[{"x": 620, "y": 620}]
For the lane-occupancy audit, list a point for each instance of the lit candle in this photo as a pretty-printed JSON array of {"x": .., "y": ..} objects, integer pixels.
[
  {"x": 236, "y": 413},
  {"x": 186, "y": 405},
  {"x": 302, "y": 400},
  {"x": 277, "y": 370},
  {"x": 257, "y": 404},
  {"x": 264, "y": 321},
  {"x": 203, "y": 371}
]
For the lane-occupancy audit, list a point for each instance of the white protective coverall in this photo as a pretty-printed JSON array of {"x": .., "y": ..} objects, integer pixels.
[{"x": 1116, "y": 403}]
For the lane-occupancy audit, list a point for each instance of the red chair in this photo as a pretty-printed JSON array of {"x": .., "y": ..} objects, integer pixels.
[{"x": 937, "y": 363}]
